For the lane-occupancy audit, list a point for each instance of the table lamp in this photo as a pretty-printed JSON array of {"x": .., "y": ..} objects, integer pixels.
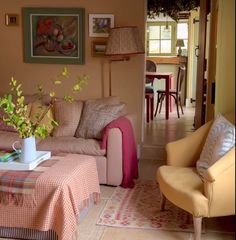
[
  {"x": 179, "y": 43},
  {"x": 122, "y": 43}
]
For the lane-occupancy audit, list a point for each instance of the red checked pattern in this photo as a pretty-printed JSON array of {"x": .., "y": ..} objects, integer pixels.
[{"x": 60, "y": 194}]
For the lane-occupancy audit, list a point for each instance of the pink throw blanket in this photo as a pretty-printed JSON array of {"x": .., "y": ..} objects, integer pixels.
[{"x": 130, "y": 161}]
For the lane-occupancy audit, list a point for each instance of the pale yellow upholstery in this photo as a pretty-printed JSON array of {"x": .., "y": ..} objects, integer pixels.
[{"x": 179, "y": 182}]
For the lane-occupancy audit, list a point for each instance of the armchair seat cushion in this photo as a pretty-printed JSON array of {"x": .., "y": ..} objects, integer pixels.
[{"x": 184, "y": 187}]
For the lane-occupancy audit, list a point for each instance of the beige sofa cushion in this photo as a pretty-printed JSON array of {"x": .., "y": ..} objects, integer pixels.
[
  {"x": 8, "y": 138},
  {"x": 71, "y": 145},
  {"x": 41, "y": 113},
  {"x": 95, "y": 117},
  {"x": 67, "y": 115}
]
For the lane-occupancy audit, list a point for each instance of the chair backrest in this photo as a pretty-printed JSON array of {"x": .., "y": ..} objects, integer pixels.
[
  {"x": 150, "y": 67},
  {"x": 180, "y": 78}
]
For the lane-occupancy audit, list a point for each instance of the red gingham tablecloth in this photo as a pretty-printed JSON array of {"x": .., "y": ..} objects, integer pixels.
[{"x": 60, "y": 194}]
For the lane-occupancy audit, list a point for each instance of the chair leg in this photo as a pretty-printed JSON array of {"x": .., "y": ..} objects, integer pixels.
[
  {"x": 161, "y": 100},
  {"x": 197, "y": 223},
  {"x": 163, "y": 201},
  {"x": 180, "y": 103},
  {"x": 176, "y": 103},
  {"x": 158, "y": 100}
]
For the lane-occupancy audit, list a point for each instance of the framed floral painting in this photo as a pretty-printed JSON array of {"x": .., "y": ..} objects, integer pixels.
[
  {"x": 53, "y": 35},
  {"x": 100, "y": 24}
]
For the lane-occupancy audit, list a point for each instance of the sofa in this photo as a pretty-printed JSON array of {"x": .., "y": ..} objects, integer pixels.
[{"x": 77, "y": 133}]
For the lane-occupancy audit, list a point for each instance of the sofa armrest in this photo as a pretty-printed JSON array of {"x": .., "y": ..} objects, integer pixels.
[
  {"x": 115, "y": 153},
  {"x": 133, "y": 120},
  {"x": 219, "y": 185},
  {"x": 186, "y": 151},
  {"x": 114, "y": 157}
]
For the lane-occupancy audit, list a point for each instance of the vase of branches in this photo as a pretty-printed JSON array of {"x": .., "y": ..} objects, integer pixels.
[{"x": 16, "y": 114}]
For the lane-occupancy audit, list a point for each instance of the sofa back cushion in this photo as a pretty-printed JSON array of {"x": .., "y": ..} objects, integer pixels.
[
  {"x": 220, "y": 139},
  {"x": 96, "y": 115},
  {"x": 67, "y": 115}
]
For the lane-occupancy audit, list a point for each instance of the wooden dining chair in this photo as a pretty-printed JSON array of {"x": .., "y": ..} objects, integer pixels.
[
  {"x": 150, "y": 67},
  {"x": 175, "y": 93}
]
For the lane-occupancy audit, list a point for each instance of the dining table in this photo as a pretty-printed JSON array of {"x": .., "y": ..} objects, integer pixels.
[{"x": 169, "y": 81}]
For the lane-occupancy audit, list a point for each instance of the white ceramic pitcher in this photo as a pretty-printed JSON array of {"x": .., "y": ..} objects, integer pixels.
[{"x": 28, "y": 149}]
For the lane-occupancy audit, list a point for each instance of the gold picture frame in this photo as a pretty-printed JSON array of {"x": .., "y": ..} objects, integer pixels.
[
  {"x": 11, "y": 19},
  {"x": 99, "y": 48}
]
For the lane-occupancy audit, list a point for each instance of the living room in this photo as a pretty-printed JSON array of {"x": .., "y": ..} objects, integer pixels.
[{"x": 127, "y": 76}]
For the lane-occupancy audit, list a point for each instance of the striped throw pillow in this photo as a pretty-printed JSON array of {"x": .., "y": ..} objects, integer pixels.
[{"x": 220, "y": 139}]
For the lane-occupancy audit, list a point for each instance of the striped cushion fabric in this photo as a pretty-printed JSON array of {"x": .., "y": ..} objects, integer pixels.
[
  {"x": 220, "y": 139},
  {"x": 67, "y": 115},
  {"x": 95, "y": 117}
]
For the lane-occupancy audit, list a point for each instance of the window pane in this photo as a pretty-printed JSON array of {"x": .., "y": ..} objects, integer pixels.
[
  {"x": 154, "y": 32},
  {"x": 154, "y": 46},
  {"x": 182, "y": 30},
  {"x": 166, "y": 46},
  {"x": 166, "y": 32}
]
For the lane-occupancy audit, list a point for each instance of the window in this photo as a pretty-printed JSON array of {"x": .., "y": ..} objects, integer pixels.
[
  {"x": 182, "y": 33},
  {"x": 161, "y": 38}
]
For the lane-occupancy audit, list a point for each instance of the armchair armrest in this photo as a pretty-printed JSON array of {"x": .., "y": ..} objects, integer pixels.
[
  {"x": 186, "y": 151},
  {"x": 219, "y": 186},
  {"x": 221, "y": 166}
]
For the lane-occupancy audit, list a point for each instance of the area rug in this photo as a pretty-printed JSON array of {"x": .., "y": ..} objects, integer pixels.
[{"x": 139, "y": 207}]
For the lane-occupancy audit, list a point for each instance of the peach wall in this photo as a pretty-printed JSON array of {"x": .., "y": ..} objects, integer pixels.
[{"x": 127, "y": 77}]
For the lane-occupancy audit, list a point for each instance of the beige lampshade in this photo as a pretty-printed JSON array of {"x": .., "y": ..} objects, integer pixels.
[
  {"x": 180, "y": 43},
  {"x": 124, "y": 41}
]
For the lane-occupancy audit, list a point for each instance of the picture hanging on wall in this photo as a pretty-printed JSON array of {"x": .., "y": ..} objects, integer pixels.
[
  {"x": 99, "y": 48},
  {"x": 53, "y": 35},
  {"x": 11, "y": 19},
  {"x": 100, "y": 24}
]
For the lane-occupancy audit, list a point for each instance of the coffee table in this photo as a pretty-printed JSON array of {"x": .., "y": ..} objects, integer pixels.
[{"x": 50, "y": 209}]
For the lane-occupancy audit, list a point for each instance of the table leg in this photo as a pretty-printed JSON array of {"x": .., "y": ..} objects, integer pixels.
[
  {"x": 171, "y": 98},
  {"x": 168, "y": 79},
  {"x": 152, "y": 106},
  {"x": 147, "y": 108}
]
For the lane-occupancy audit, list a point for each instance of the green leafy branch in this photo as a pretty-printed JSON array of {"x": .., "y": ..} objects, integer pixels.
[{"x": 16, "y": 112}]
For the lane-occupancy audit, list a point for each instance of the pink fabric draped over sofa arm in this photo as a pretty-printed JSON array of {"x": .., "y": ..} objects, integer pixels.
[{"x": 129, "y": 152}]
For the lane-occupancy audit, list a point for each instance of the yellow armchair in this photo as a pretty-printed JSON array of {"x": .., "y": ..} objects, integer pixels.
[{"x": 179, "y": 182}]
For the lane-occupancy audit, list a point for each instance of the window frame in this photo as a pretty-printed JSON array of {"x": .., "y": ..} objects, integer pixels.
[{"x": 173, "y": 37}]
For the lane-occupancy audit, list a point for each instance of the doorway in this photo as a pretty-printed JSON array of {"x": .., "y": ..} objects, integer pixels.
[{"x": 160, "y": 131}]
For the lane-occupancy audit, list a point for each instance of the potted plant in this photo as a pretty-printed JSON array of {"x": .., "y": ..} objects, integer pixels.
[{"x": 16, "y": 113}]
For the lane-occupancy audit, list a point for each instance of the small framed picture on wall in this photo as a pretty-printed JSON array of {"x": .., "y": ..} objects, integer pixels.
[
  {"x": 100, "y": 24},
  {"x": 11, "y": 19},
  {"x": 99, "y": 48}
]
